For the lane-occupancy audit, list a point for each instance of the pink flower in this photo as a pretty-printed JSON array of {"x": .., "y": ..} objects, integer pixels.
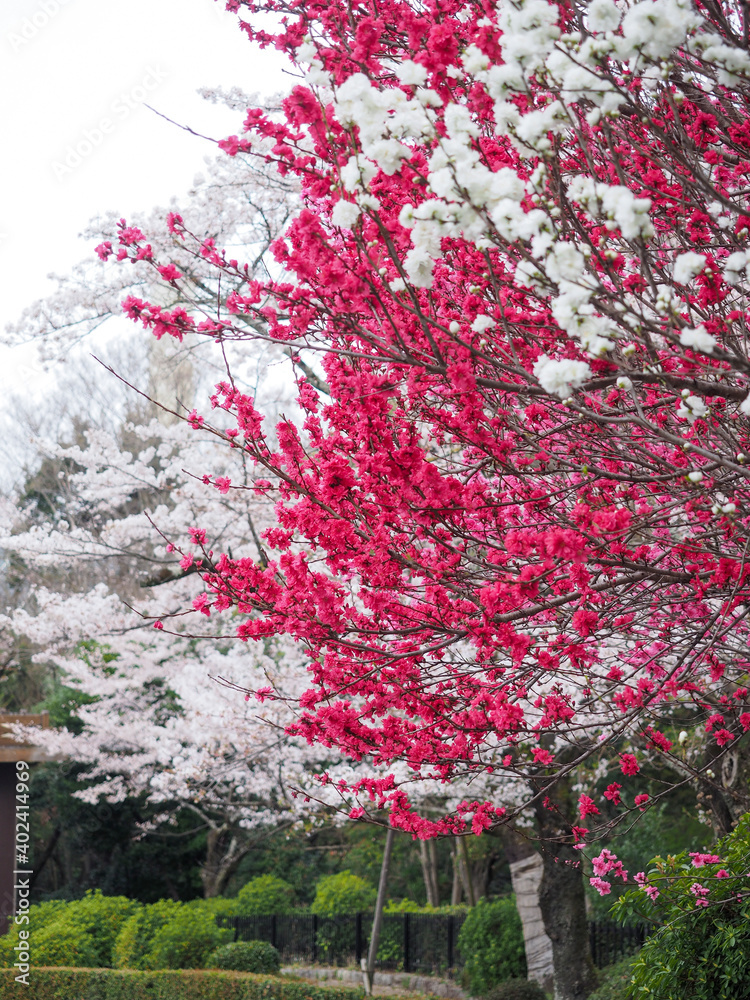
[
  {"x": 641, "y": 800},
  {"x": 587, "y": 807},
  {"x": 699, "y": 860},
  {"x": 197, "y": 536},
  {"x": 700, "y": 893},
  {"x": 612, "y": 792},
  {"x": 628, "y": 763},
  {"x": 601, "y": 885},
  {"x": 222, "y": 484}
]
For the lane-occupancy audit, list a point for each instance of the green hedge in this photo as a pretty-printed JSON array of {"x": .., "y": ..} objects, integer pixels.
[{"x": 120, "y": 984}]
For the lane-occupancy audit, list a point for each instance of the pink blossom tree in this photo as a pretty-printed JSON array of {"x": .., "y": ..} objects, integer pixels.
[{"x": 511, "y": 521}]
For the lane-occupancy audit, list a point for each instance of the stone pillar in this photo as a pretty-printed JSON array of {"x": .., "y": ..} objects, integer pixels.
[{"x": 526, "y": 876}]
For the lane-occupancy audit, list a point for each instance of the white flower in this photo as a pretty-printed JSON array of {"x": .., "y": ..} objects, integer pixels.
[
  {"x": 745, "y": 406},
  {"x": 699, "y": 339},
  {"x": 695, "y": 477},
  {"x": 624, "y": 383},
  {"x": 602, "y": 15},
  {"x": 559, "y": 377},
  {"x": 482, "y": 323},
  {"x": 411, "y": 74},
  {"x": 691, "y": 408},
  {"x": 345, "y": 214},
  {"x": 686, "y": 266}
]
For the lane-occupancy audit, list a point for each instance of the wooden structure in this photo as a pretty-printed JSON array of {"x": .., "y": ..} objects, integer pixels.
[{"x": 11, "y": 752}]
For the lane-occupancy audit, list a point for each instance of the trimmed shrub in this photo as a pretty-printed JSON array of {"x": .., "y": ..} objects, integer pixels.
[
  {"x": 62, "y": 943},
  {"x": 491, "y": 942},
  {"x": 264, "y": 894},
  {"x": 517, "y": 989},
  {"x": 120, "y": 984},
  {"x": 186, "y": 939},
  {"x": 101, "y": 917},
  {"x": 40, "y": 914},
  {"x": 76, "y": 932},
  {"x": 245, "y": 956},
  {"x": 342, "y": 893},
  {"x": 134, "y": 940}
]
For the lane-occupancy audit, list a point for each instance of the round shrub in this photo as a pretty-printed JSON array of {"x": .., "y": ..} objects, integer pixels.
[
  {"x": 186, "y": 940},
  {"x": 517, "y": 989},
  {"x": 491, "y": 943},
  {"x": 342, "y": 893},
  {"x": 101, "y": 917},
  {"x": 136, "y": 934},
  {"x": 265, "y": 894},
  {"x": 63, "y": 943},
  {"x": 246, "y": 956},
  {"x": 40, "y": 914}
]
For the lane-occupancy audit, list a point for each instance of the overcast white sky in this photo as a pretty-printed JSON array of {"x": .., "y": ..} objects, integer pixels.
[{"x": 74, "y": 75}]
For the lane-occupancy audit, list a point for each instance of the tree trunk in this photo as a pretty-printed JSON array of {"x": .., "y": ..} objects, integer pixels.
[
  {"x": 465, "y": 869},
  {"x": 221, "y": 861},
  {"x": 562, "y": 900},
  {"x": 368, "y": 968},
  {"x": 563, "y": 905},
  {"x": 457, "y": 887},
  {"x": 428, "y": 860}
]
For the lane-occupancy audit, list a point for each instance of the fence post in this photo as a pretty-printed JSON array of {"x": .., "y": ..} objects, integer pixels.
[
  {"x": 314, "y": 938},
  {"x": 273, "y": 930},
  {"x": 451, "y": 930},
  {"x": 236, "y": 923},
  {"x": 358, "y": 938},
  {"x": 407, "y": 956}
]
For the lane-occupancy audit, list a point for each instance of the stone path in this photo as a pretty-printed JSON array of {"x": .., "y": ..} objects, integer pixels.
[{"x": 385, "y": 984}]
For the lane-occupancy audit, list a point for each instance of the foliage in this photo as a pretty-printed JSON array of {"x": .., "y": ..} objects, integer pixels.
[
  {"x": 77, "y": 932},
  {"x": 491, "y": 943},
  {"x": 614, "y": 982},
  {"x": 134, "y": 940},
  {"x": 106, "y": 984},
  {"x": 186, "y": 939},
  {"x": 516, "y": 989},
  {"x": 246, "y": 956},
  {"x": 701, "y": 902},
  {"x": 65, "y": 943},
  {"x": 342, "y": 893},
  {"x": 265, "y": 894}
]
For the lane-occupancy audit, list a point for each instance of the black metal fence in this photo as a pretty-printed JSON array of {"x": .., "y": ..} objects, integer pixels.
[
  {"x": 611, "y": 942},
  {"x": 425, "y": 943},
  {"x": 411, "y": 942}
]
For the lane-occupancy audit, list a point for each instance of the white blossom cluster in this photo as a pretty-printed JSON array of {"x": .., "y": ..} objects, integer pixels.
[{"x": 468, "y": 200}]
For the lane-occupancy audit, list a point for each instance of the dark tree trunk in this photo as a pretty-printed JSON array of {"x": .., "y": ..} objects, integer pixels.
[
  {"x": 561, "y": 893},
  {"x": 222, "y": 860},
  {"x": 563, "y": 905},
  {"x": 428, "y": 859}
]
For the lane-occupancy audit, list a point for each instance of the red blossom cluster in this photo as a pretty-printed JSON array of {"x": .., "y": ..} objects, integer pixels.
[{"x": 512, "y": 518}]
